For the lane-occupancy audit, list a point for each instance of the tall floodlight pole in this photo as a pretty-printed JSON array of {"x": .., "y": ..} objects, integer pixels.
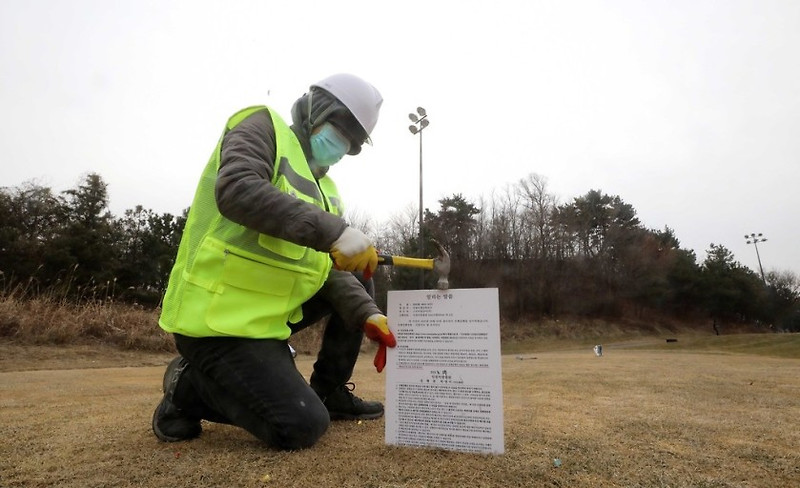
[
  {"x": 754, "y": 239},
  {"x": 420, "y": 121}
]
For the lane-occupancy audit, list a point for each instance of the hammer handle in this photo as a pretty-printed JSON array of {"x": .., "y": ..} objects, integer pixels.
[{"x": 405, "y": 262}]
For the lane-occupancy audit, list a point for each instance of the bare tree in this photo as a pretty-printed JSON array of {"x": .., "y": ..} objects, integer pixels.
[
  {"x": 362, "y": 222},
  {"x": 539, "y": 209},
  {"x": 399, "y": 234}
]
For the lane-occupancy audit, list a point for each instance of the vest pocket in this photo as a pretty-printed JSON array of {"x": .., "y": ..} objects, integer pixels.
[
  {"x": 254, "y": 300},
  {"x": 282, "y": 247}
]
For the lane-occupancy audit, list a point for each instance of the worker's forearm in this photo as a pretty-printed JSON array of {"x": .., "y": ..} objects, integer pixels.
[{"x": 349, "y": 298}]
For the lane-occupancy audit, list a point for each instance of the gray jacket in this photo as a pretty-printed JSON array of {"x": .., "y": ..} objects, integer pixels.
[{"x": 245, "y": 195}]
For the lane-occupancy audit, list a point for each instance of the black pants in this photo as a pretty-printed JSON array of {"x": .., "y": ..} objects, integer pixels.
[{"x": 254, "y": 383}]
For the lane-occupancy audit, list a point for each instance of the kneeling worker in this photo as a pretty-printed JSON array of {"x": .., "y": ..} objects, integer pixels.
[{"x": 264, "y": 254}]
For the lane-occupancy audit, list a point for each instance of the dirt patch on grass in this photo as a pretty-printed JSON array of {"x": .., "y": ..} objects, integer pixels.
[{"x": 630, "y": 418}]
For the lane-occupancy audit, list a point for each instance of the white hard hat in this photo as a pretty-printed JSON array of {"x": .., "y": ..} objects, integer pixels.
[{"x": 361, "y": 99}]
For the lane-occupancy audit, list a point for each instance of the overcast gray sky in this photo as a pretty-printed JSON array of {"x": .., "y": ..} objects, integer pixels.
[{"x": 688, "y": 110}]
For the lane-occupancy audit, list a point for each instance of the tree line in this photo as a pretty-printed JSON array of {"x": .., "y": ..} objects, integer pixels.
[
  {"x": 589, "y": 257},
  {"x": 69, "y": 245}
]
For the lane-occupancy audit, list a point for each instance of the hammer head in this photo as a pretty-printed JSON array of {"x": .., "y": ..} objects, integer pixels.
[{"x": 441, "y": 265}]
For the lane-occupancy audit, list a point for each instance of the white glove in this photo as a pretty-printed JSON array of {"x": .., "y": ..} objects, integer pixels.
[{"x": 351, "y": 242}]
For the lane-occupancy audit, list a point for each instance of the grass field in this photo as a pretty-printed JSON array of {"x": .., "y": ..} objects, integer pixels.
[{"x": 706, "y": 411}]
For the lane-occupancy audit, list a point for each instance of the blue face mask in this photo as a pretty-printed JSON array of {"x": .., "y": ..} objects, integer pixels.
[{"x": 328, "y": 146}]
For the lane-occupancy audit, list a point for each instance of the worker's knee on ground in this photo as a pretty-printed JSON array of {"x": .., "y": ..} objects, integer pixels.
[{"x": 302, "y": 429}]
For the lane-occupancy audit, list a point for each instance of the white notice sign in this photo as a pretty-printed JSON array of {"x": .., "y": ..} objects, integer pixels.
[{"x": 443, "y": 380}]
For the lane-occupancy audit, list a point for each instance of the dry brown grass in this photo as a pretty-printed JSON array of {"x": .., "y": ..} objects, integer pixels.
[
  {"x": 46, "y": 320},
  {"x": 632, "y": 418},
  {"x": 78, "y": 384}
]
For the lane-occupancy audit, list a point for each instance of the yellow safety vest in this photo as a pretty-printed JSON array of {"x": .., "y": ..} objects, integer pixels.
[{"x": 229, "y": 280}]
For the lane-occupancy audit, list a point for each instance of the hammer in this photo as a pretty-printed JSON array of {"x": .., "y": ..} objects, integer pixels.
[{"x": 440, "y": 264}]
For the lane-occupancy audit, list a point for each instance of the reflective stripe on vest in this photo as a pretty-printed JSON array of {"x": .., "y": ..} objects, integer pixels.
[{"x": 332, "y": 194}]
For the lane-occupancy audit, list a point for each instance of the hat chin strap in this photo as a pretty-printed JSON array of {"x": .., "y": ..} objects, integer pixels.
[
  {"x": 321, "y": 117},
  {"x": 308, "y": 111}
]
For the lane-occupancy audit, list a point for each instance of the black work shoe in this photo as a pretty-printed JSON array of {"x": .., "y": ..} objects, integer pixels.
[
  {"x": 343, "y": 405},
  {"x": 170, "y": 424}
]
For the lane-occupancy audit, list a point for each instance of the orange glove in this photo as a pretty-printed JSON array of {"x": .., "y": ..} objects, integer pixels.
[{"x": 377, "y": 329}]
